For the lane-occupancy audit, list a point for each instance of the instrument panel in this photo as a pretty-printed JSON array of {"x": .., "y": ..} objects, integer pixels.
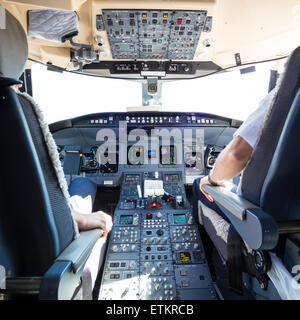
[
  {"x": 202, "y": 137},
  {"x": 155, "y": 250}
]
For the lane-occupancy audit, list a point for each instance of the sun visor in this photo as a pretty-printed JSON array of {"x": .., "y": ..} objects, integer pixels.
[{"x": 53, "y": 25}]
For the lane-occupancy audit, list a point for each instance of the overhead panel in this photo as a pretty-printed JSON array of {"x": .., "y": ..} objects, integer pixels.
[{"x": 154, "y": 34}]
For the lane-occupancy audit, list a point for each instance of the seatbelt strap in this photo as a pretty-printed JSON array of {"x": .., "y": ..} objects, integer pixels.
[
  {"x": 235, "y": 260},
  {"x": 7, "y": 82}
]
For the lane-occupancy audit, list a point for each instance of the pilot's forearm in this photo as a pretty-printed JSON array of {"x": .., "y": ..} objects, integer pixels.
[{"x": 232, "y": 160}]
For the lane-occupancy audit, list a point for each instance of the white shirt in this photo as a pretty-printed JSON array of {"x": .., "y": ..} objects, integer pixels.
[{"x": 251, "y": 128}]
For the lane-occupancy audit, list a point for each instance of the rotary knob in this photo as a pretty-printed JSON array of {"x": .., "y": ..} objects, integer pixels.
[{"x": 159, "y": 232}]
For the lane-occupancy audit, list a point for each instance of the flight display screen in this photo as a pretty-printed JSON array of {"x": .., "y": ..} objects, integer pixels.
[
  {"x": 132, "y": 178},
  {"x": 180, "y": 219},
  {"x": 168, "y": 155},
  {"x": 126, "y": 219},
  {"x": 185, "y": 256},
  {"x": 135, "y": 155},
  {"x": 171, "y": 178}
]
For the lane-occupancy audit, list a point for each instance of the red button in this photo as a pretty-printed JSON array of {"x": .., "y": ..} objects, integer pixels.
[{"x": 179, "y": 21}]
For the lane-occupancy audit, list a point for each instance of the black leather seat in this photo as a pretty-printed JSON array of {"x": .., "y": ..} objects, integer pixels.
[
  {"x": 41, "y": 250},
  {"x": 267, "y": 211}
]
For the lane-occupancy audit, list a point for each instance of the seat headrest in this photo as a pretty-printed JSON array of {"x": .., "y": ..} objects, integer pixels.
[{"x": 13, "y": 48}]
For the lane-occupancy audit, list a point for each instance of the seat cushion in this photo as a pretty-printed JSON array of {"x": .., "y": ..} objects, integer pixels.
[{"x": 217, "y": 229}]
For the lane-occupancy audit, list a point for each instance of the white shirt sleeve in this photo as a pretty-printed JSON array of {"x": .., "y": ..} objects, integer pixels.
[{"x": 252, "y": 126}]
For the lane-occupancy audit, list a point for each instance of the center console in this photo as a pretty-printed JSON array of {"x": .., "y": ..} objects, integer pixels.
[{"x": 155, "y": 250}]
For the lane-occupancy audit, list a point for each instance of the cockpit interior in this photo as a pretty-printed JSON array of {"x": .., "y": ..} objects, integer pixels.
[{"x": 71, "y": 153}]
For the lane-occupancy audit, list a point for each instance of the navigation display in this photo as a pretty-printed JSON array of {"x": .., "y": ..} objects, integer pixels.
[{"x": 168, "y": 155}]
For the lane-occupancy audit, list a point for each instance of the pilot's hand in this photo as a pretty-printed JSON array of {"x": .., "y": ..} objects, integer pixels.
[
  {"x": 98, "y": 219},
  {"x": 203, "y": 182}
]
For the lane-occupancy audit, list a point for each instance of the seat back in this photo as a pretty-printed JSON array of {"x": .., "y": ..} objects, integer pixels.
[
  {"x": 254, "y": 176},
  {"x": 36, "y": 224},
  {"x": 281, "y": 188}
]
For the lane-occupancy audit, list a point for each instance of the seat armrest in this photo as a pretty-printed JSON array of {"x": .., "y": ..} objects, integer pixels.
[
  {"x": 63, "y": 277},
  {"x": 79, "y": 250},
  {"x": 229, "y": 200},
  {"x": 256, "y": 227}
]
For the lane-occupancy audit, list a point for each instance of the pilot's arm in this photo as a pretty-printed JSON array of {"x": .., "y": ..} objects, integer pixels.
[
  {"x": 234, "y": 158},
  {"x": 98, "y": 219},
  {"x": 231, "y": 161}
]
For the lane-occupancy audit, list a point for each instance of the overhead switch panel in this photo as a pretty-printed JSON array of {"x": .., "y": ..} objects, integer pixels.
[{"x": 154, "y": 34}]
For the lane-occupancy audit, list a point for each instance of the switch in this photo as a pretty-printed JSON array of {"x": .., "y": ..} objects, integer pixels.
[
  {"x": 166, "y": 270},
  {"x": 183, "y": 272},
  {"x": 179, "y": 21},
  {"x": 185, "y": 283}
]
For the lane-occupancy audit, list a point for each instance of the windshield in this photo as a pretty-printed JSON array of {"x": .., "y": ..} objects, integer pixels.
[{"x": 228, "y": 94}]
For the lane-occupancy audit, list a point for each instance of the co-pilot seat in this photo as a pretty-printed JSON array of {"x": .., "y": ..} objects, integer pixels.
[
  {"x": 42, "y": 253},
  {"x": 266, "y": 216}
]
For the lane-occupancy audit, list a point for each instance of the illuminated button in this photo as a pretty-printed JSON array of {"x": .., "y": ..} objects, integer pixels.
[
  {"x": 165, "y": 15},
  {"x": 183, "y": 272},
  {"x": 179, "y": 21},
  {"x": 185, "y": 283},
  {"x": 144, "y": 15}
]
